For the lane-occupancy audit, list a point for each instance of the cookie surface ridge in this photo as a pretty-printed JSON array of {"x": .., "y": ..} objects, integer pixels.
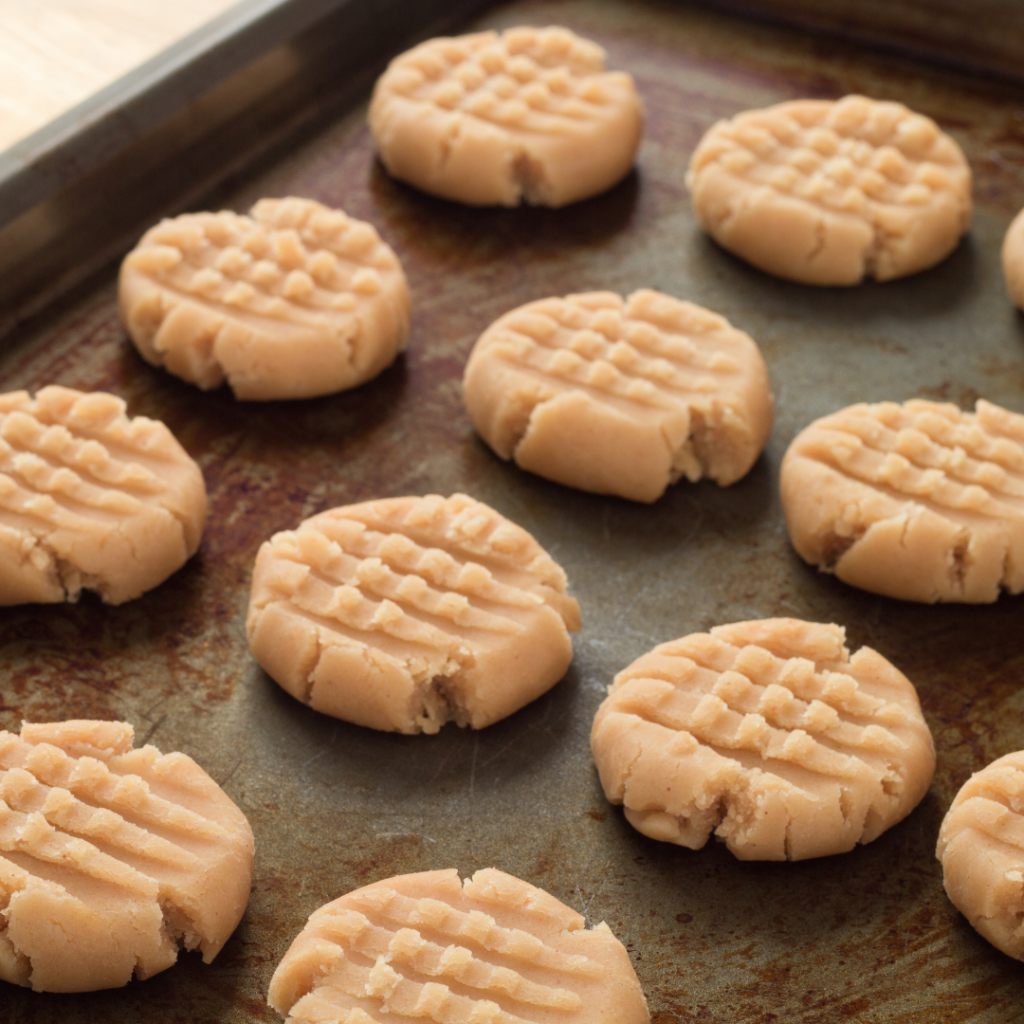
[
  {"x": 620, "y": 396},
  {"x": 919, "y": 501},
  {"x": 405, "y": 613},
  {"x": 525, "y": 115},
  {"x": 91, "y": 499},
  {"x": 293, "y": 300},
  {"x": 1013, "y": 260},
  {"x": 490, "y": 950},
  {"x": 831, "y": 192},
  {"x": 111, "y": 858},
  {"x": 768, "y": 734},
  {"x": 981, "y": 847}
]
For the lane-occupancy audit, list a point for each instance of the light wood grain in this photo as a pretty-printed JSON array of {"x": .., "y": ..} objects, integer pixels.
[{"x": 55, "y": 53}]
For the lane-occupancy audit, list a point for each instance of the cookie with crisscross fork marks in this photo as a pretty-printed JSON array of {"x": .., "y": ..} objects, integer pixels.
[
  {"x": 291, "y": 301},
  {"x": 981, "y": 847},
  {"x": 529, "y": 115},
  {"x": 620, "y": 397},
  {"x": 111, "y": 858},
  {"x": 427, "y": 947},
  {"x": 405, "y": 613},
  {"x": 829, "y": 193},
  {"x": 90, "y": 499},
  {"x": 919, "y": 501},
  {"x": 1013, "y": 260},
  {"x": 769, "y": 734}
]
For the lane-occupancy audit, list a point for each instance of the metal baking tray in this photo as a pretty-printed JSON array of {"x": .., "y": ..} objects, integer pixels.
[{"x": 866, "y": 936}]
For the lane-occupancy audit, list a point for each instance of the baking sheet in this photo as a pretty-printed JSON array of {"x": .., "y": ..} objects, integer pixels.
[{"x": 866, "y": 936}]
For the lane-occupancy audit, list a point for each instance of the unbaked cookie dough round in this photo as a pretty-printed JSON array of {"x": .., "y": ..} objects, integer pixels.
[
  {"x": 1013, "y": 260},
  {"x": 831, "y": 192},
  {"x": 111, "y": 859},
  {"x": 406, "y": 613},
  {"x": 292, "y": 301},
  {"x": 919, "y": 501},
  {"x": 527, "y": 115},
  {"x": 488, "y": 950},
  {"x": 90, "y": 499},
  {"x": 620, "y": 396},
  {"x": 769, "y": 734},
  {"x": 981, "y": 847}
]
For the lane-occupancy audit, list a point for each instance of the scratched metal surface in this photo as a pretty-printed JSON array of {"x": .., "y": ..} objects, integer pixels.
[{"x": 869, "y": 935}]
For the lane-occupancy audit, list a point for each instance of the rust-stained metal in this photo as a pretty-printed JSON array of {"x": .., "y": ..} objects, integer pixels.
[
  {"x": 982, "y": 37},
  {"x": 865, "y": 936}
]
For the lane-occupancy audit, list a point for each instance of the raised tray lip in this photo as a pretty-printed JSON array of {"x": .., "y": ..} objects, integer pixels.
[
  {"x": 77, "y": 194},
  {"x": 108, "y": 121}
]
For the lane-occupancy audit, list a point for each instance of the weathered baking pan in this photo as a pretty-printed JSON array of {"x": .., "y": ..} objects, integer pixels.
[{"x": 867, "y": 936}]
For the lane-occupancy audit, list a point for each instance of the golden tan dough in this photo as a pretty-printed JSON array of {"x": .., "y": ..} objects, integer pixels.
[
  {"x": 111, "y": 859},
  {"x": 429, "y": 947},
  {"x": 981, "y": 847},
  {"x": 292, "y": 301},
  {"x": 769, "y": 734},
  {"x": 1013, "y": 260},
  {"x": 831, "y": 192},
  {"x": 529, "y": 115},
  {"x": 620, "y": 396},
  {"x": 90, "y": 499},
  {"x": 919, "y": 501},
  {"x": 406, "y": 613}
]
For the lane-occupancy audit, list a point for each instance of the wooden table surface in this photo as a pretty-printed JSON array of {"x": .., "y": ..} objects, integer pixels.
[{"x": 55, "y": 53}]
